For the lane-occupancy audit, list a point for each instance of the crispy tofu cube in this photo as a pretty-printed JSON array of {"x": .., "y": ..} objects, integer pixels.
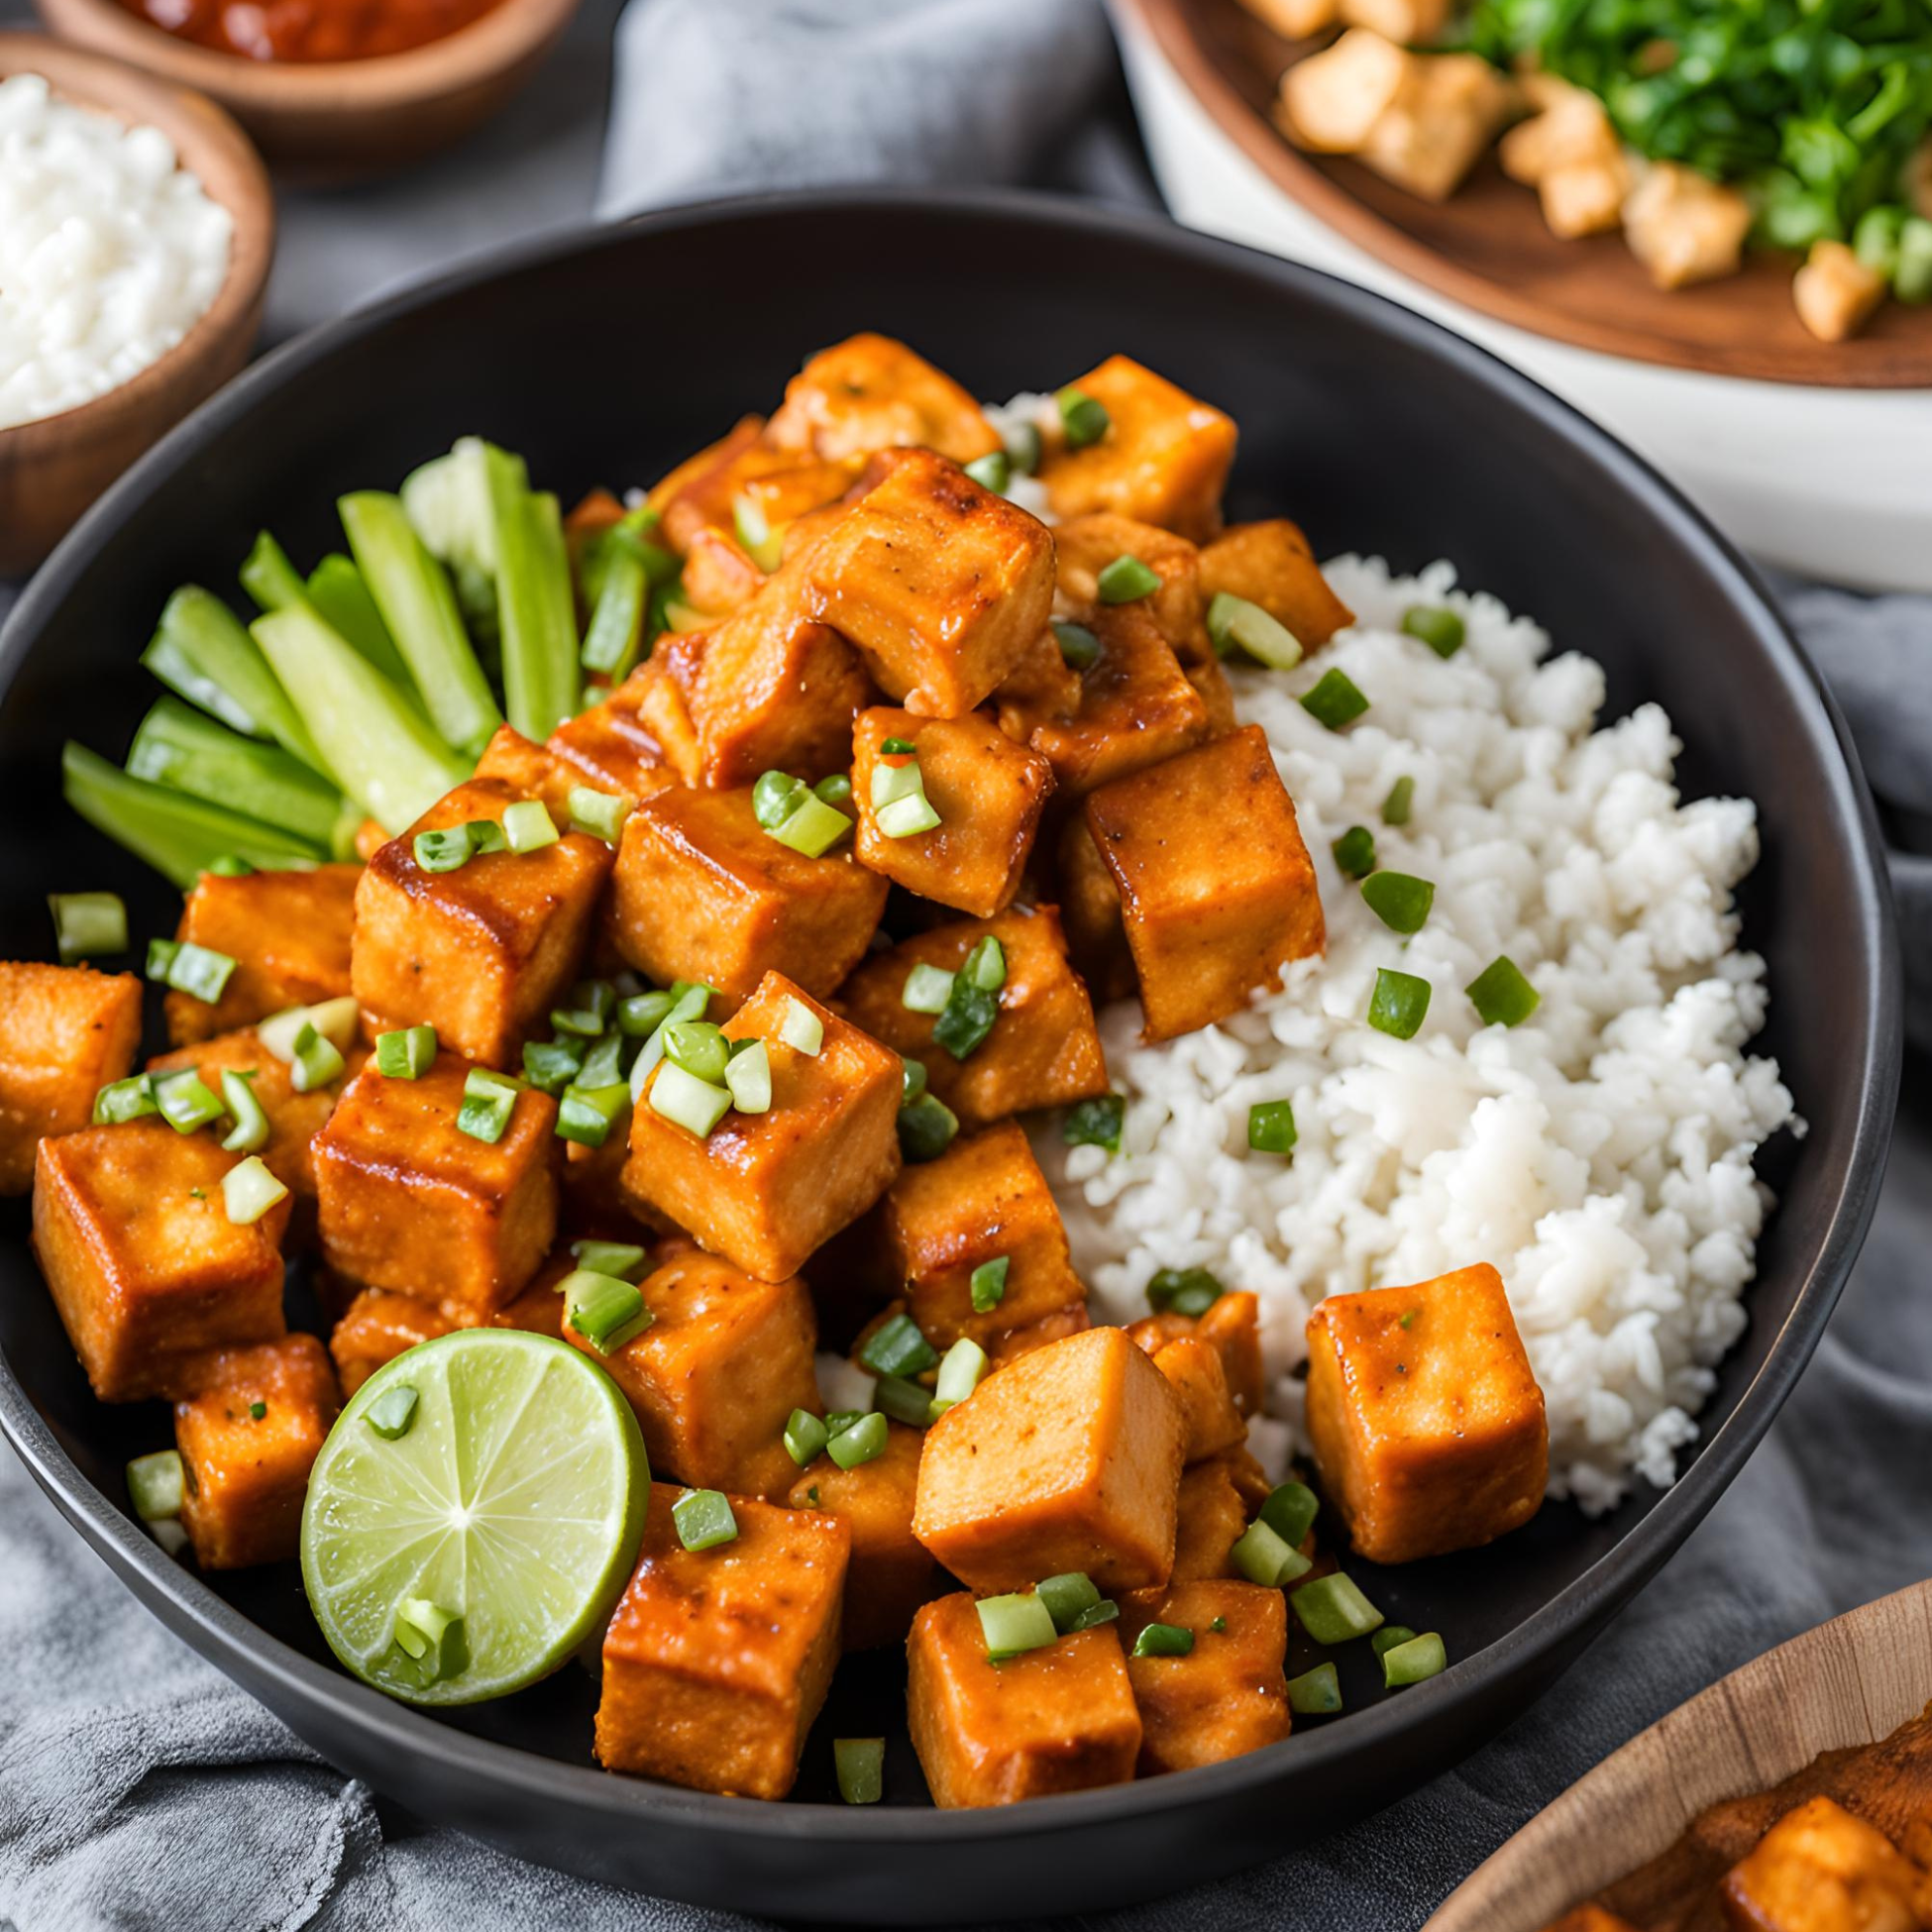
[
  {"x": 1057, "y": 1719},
  {"x": 1209, "y": 1522},
  {"x": 289, "y": 935},
  {"x": 1229, "y": 1694},
  {"x": 702, "y": 492},
  {"x": 870, "y": 392},
  {"x": 764, "y": 1190},
  {"x": 1200, "y": 1383},
  {"x": 989, "y": 794},
  {"x": 65, "y": 1032},
  {"x": 245, "y": 1475},
  {"x": 983, "y": 1200},
  {"x": 892, "y": 1572},
  {"x": 1683, "y": 227},
  {"x": 1426, "y": 1422},
  {"x": 1216, "y": 889},
  {"x": 1090, "y": 910},
  {"x": 716, "y": 1661},
  {"x": 479, "y": 953},
  {"x": 1271, "y": 564},
  {"x": 1043, "y": 1050},
  {"x": 538, "y": 1310},
  {"x": 1835, "y": 292},
  {"x": 1436, "y": 130},
  {"x": 1164, "y": 458},
  {"x": 1011, "y": 1344},
  {"x": 1041, "y": 686},
  {"x": 1331, "y": 102},
  {"x": 608, "y": 747},
  {"x": 145, "y": 1267},
  {"x": 409, "y": 1202},
  {"x": 943, "y": 586},
  {"x": 725, "y": 1360},
  {"x": 1232, "y": 1324},
  {"x": 704, "y": 892},
  {"x": 1294, "y": 20},
  {"x": 1068, "y": 1458},
  {"x": 1084, "y": 546},
  {"x": 1412, "y": 22},
  {"x": 718, "y": 576},
  {"x": 530, "y": 769},
  {"x": 1819, "y": 1869},
  {"x": 375, "y": 1329}
]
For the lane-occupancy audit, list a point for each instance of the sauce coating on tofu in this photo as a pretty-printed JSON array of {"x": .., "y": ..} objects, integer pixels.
[{"x": 65, "y": 1032}]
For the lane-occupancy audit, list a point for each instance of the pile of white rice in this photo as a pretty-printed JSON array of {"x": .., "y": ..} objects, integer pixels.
[{"x": 1599, "y": 1154}]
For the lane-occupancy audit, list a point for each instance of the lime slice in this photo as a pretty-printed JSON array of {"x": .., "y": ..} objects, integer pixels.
[{"x": 464, "y": 1545}]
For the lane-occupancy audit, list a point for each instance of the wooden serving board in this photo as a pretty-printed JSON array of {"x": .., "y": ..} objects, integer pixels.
[{"x": 1848, "y": 1682}]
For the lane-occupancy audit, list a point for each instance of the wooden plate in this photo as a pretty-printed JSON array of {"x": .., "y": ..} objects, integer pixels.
[
  {"x": 1849, "y": 1682},
  {"x": 1488, "y": 248}
]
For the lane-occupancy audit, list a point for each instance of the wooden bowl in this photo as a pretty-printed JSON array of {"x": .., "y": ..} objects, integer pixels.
[
  {"x": 51, "y": 469},
  {"x": 1849, "y": 1682},
  {"x": 335, "y": 121},
  {"x": 1487, "y": 247}
]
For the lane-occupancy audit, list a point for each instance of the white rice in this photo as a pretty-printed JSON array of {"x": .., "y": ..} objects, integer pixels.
[{"x": 1599, "y": 1154}]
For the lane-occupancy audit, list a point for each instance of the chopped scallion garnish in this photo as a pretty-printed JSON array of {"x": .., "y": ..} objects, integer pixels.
[
  {"x": 1290, "y": 1511},
  {"x": 249, "y": 1134},
  {"x": 1271, "y": 1126},
  {"x": 926, "y": 1126},
  {"x": 132, "y": 1099},
  {"x": 256, "y": 1410},
  {"x": 587, "y": 1009},
  {"x": 88, "y": 924},
  {"x": 1096, "y": 1123},
  {"x": 834, "y": 789},
  {"x": 1415, "y": 1661},
  {"x": 1399, "y": 803},
  {"x": 903, "y": 1401},
  {"x": 603, "y": 1309},
  {"x": 961, "y": 1370},
  {"x": 861, "y": 1762},
  {"x": 1439, "y": 628},
  {"x": 801, "y": 1029},
  {"x": 624, "y": 1260},
  {"x": 1355, "y": 852},
  {"x": 813, "y": 827},
  {"x": 551, "y": 1065},
  {"x": 988, "y": 1284},
  {"x": 985, "y": 965},
  {"x": 318, "y": 1060},
  {"x": 775, "y": 798},
  {"x": 184, "y": 1100},
  {"x": 188, "y": 968},
  {"x": 897, "y": 1347},
  {"x": 248, "y": 1191},
  {"x": 1389, "y": 1636},
  {"x": 681, "y": 1097},
  {"x": 489, "y": 1100},
  {"x": 1127, "y": 580},
  {"x": 970, "y": 1010},
  {"x": 1399, "y": 1004},
  {"x": 1164, "y": 1640},
  {"x": 1070, "y": 1599},
  {"x": 748, "y": 1077},
  {"x": 1079, "y": 647},
  {"x": 1335, "y": 700},
  {"x": 1083, "y": 417},
  {"x": 405, "y": 1054},
  {"x": 601, "y": 813},
  {"x": 393, "y": 1413},
  {"x": 993, "y": 472},
  {"x": 447, "y": 848},
  {"x": 528, "y": 826},
  {"x": 805, "y": 1436},
  {"x": 586, "y": 1114},
  {"x": 1399, "y": 900},
  {"x": 700, "y": 1048},
  {"x": 1500, "y": 994},
  {"x": 1184, "y": 1291},
  {"x": 926, "y": 989},
  {"x": 157, "y": 1485},
  {"x": 1263, "y": 1558},
  {"x": 1024, "y": 446},
  {"x": 1315, "y": 1693},
  {"x": 640, "y": 1015},
  {"x": 1333, "y": 1609},
  {"x": 1234, "y": 623},
  {"x": 1014, "y": 1624},
  {"x": 863, "y": 1441}
]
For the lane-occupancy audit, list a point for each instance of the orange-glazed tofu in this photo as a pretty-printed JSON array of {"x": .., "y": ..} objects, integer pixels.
[
  {"x": 1060, "y": 1718},
  {"x": 943, "y": 586},
  {"x": 892, "y": 1572},
  {"x": 982, "y": 1203},
  {"x": 764, "y": 1190},
  {"x": 287, "y": 934},
  {"x": 1209, "y": 1522},
  {"x": 870, "y": 392},
  {"x": 989, "y": 794},
  {"x": 1426, "y": 1422},
  {"x": 530, "y": 769},
  {"x": 376, "y": 1328},
  {"x": 1200, "y": 1383},
  {"x": 479, "y": 953},
  {"x": 724, "y": 1361},
  {"x": 65, "y": 1032},
  {"x": 408, "y": 1200},
  {"x": 1216, "y": 889},
  {"x": 1043, "y": 1050},
  {"x": 1084, "y": 546},
  {"x": 1164, "y": 458},
  {"x": 1011, "y": 1344},
  {"x": 717, "y": 1659},
  {"x": 1819, "y": 1869},
  {"x": 718, "y": 574},
  {"x": 1067, "y": 1459},
  {"x": 1229, "y": 1694},
  {"x": 144, "y": 1266},
  {"x": 1270, "y": 564},
  {"x": 248, "y": 1436},
  {"x": 704, "y": 892},
  {"x": 607, "y": 747},
  {"x": 1090, "y": 909}
]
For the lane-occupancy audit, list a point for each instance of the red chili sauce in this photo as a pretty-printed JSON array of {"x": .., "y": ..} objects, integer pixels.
[{"x": 309, "y": 30}]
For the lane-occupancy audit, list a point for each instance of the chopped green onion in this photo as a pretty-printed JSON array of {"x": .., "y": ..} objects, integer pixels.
[
  {"x": 961, "y": 1370},
  {"x": 550, "y": 1065},
  {"x": 1399, "y": 900},
  {"x": 1388, "y": 1637},
  {"x": 969, "y": 1016},
  {"x": 903, "y": 1401},
  {"x": 337, "y": 1020},
  {"x": 1079, "y": 647},
  {"x": 926, "y": 989},
  {"x": 1184, "y": 1291},
  {"x": 489, "y": 1100},
  {"x": 1263, "y": 1558},
  {"x": 861, "y": 1764},
  {"x": 229, "y": 866},
  {"x": 864, "y": 1442},
  {"x": 1013, "y": 1625},
  {"x": 1355, "y": 852},
  {"x": 528, "y": 825},
  {"x": 1271, "y": 1126},
  {"x": 586, "y": 1115},
  {"x": 1127, "y": 580},
  {"x": 642, "y": 1014},
  {"x": 185, "y": 1100},
  {"x": 405, "y": 1054},
  {"x": 189, "y": 968},
  {"x": 926, "y": 1125},
  {"x": 1290, "y": 1511},
  {"x": 897, "y": 1347},
  {"x": 840, "y": 1420},
  {"x": 248, "y": 1191},
  {"x": 775, "y": 798},
  {"x": 1315, "y": 1693},
  {"x": 801, "y": 1029},
  {"x": 1401, "y": 798},
  {"x": 700, "y": 1048},
  {"x": 603, "y": 1065},
  {"x": 1218, "y": 1625},
  {"x": 432, "y": 1637},
  {"x": 317, "y": 1060},
  {"x": 813, "y": 828},
  {"x": 393, "y": 1413},
  {"x": 1083, "y": 417},
  {"x": 132, "y": 1099},
  {"x": 88, "y": 924},
  {"x": 912, "y": 1080},
  {"x": 897, "y": 775},
  {"x": 251, "y": 1131},
  {"x": 1164, "y": 1640},
  {"x": 760, "y": 542},
  {"x": 1332, "y": 1609},
  {"x": 588, "y": 1008},
  {"x": 603, "y": 1309},
  {"x": 446, "y": 848},
  {"x": 907, "y": 817},
  {"x": 805, "y": 1436},
  {"x": 624, "y": 1260},
  {"x": 687, "y": 1102},
  {"x": 1068, "y": 1598},
  {"x": 599, "y": 813},
  {"x": 1024, "y": 447},
  {"x": 1415, "y": 1661},
  {"x": 688, "y": 1002},
  {"x": 1398, "y": 1003},
  {"x": 256, "y": 1410},
  {"x": 157, "y": 1485},
  {"x": 748, "y": 1077},
  {"x": 835, "y": 789},
  {"x": 1096, "y": 1122},
  {"x": 993, "y": 472},
  {"x": 1500, "y": 994},
  {"x": 986, "y": 964},
  {"x": 1234, "y": 623},
  {"x": 988, "y": 1284},
  {"x": 1436, "y": 625},
  {"x": 1335, "y": 700}
]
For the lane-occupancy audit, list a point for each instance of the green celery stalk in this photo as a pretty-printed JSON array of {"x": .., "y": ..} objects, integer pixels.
[
  {"x": 534, "y": 606},
  {"x": 381, "y": 750},
  {"x": 337, "y": 590},
  {"x": 268, "y": 577},
  {"x": 177, "y": 746},
  {"x": 413, "y": 594},
  {"x": 616, "y": 630},
  {"x": 178, "y": 834}
]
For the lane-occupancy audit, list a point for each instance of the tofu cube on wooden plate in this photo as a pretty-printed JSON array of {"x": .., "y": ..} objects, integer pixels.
[
  {"x": 65, "y": 1032},
  {"x": 1820, "y": 1869}
]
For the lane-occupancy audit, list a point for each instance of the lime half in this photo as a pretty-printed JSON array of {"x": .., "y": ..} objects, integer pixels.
[{"x": 464, "y": 1544}]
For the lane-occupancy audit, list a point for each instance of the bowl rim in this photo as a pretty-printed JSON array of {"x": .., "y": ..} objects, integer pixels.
[{"x": 226, "y": 1637}]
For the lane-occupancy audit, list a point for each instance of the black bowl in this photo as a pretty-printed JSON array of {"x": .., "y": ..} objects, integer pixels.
[{"x": 604, "y": 357}]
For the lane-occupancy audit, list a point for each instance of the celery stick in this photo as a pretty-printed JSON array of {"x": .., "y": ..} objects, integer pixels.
[
  {"x": 270, "y": 578},
  {"x": 617, "y": 624},
  {"x": 534, "y": 605},
  {"x": 181, "y": 836},
  {"x": 380, "y": 750},
  {"x": 419, "y": 607},
  {"x": 200, "y": 649},
  {"x": 179, "y": 747},
  {"x": 337, "y": 590}
]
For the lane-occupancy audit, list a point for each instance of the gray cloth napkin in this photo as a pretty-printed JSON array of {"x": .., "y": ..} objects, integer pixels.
[{"x": 140, "y": 1790}]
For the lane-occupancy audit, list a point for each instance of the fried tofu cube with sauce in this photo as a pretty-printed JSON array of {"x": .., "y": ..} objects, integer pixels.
[
  {"x": 1835, "y": 292},
  {"x": 409, "y": 1202},
  {"x": 1211, "y": 1516},
  {"x": 1232, "y": 1326},
  {"x": 1216, "y": 889},
  {"x": 764, "y": 1190},
  {"x": 1270, "y": 564},
  {"x": 608, "y": 747},
  {"x": 144, "y": 1266},
  {"x": 1084, "y": 546},
  {"x": 289, "y": 935},
  {"x": 1060, "y": 1718},
  {"x": 65, "y": 1032},
  {"x": 1200, "y": 1383},
  {"x": 943, "y": 586},
  {"x": 1820, "y": 1869},
  {"x": 704, "y": 892},
  {"x": 247, "y": 1437},
  {"x": 1067, "y": 1459},
  {"x": 870, "y": 392},
  {"x": 989, "y": 794},
  {"x": 530, "y": 769},
  {"x": 376, "y": 1328},
  {"x": 1427, "y": 1420},
  {"x": 1163, "y": 459},
  {"x": 1683, "y": 227},
  {"x": 1043, "y": 1050},
  {"x": 479, "y": 953},
  {"x": 716, "y": 1661},
  {"x": 1229, "y": 1695},
  {"x": 720, "y": 576},
  {"x": 891, "y": 1573}
]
